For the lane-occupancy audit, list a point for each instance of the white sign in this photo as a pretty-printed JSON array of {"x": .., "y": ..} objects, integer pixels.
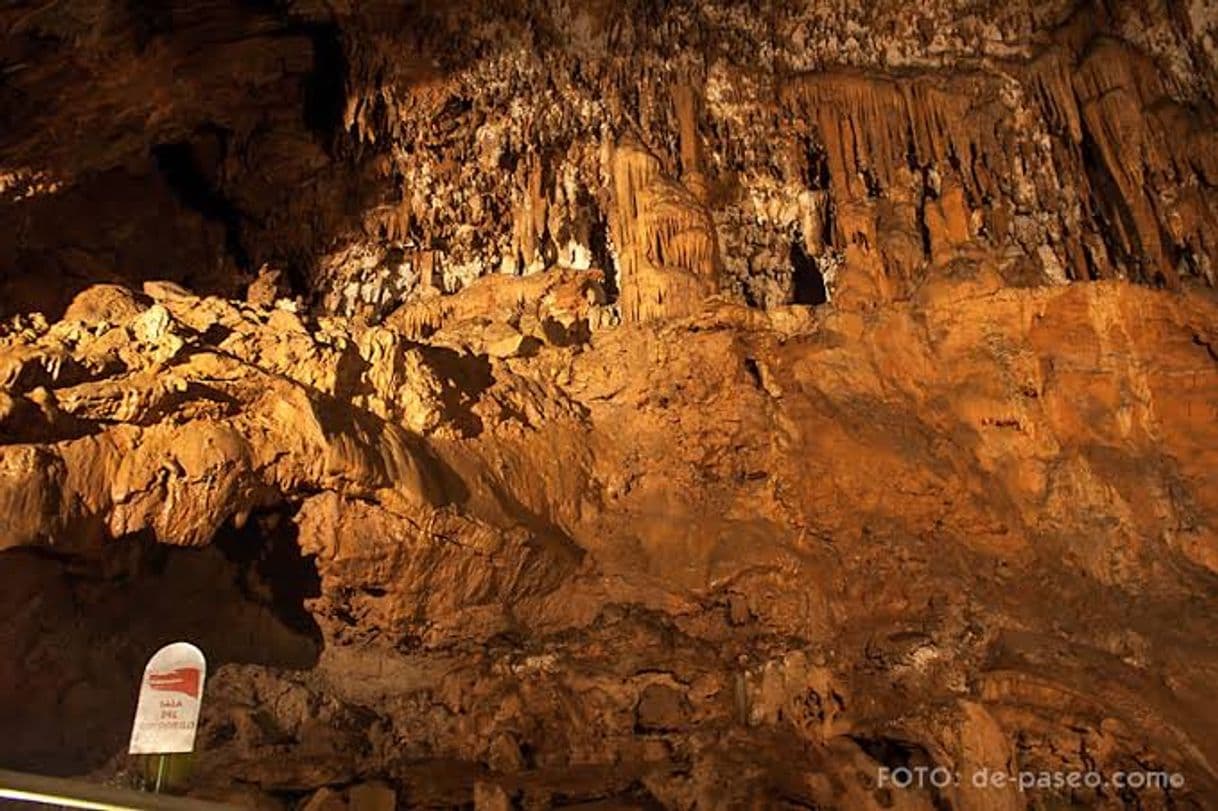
[{"x": 171, "y": 693}]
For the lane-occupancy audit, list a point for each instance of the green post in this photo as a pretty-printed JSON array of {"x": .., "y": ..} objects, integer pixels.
[{"x": 165, "y": 773}]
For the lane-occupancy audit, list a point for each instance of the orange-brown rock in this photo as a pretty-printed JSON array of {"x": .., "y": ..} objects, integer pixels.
[
  {"x": 532, "y": 404},
  {"x": 957, "y": 527}
]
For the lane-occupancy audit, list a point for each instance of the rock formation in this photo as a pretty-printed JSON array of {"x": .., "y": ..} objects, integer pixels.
[{"x": 640, "y": 405}]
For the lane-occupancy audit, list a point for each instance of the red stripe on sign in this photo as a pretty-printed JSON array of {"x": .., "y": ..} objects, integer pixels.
[{"x": 183, "y": 680}]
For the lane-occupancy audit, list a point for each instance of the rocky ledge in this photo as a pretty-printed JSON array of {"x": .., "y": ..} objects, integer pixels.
[
  {"x": 735, "y": 556},
  {"x": 538, "y": 404}
]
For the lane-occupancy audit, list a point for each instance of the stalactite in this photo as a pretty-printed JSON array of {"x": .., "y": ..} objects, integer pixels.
[{"x": 666, "y": 241}]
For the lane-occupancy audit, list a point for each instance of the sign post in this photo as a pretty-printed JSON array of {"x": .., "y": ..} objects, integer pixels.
[{"x": 167, "y": 715}]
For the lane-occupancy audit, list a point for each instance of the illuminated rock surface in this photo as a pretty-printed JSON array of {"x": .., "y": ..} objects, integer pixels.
[{"x": 701, "y": 405}]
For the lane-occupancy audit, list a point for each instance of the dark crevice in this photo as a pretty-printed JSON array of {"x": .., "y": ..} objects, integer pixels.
[
  {"x": 953, "y": 160},
  {"x": 828, "y": 232},
  {"x": 875, "y": 188},
  {"x": 1209, "y": 347},
  {"x": 807, "y": 282},
  {"x": 1114, "y": 220},
  {"x": 911, "y": 151},
  {"x": 893, "y": 753},
  {"x": 924, "y": 229},
  {"x": 602, "y": 256},
  {"x": 754, "y": 372},
  {"x": 816, "y": 175},
  {"x": 750, "y": 298},
  {"x": 898, "y": 754}
]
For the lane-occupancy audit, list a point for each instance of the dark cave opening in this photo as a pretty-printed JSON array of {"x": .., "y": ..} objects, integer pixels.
[
  {"x": 80, "y": 629},
  {"x": 182, "y": 167},
  {"x": 272, "y": 569},
  {"x": 808, "y": 285},
  {"x": 325, "y": 91}
]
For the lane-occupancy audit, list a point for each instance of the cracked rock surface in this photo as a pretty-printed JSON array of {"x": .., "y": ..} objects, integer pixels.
[
  {"x": 658, "y": 563},
  {"x": 695, "y": 405}
]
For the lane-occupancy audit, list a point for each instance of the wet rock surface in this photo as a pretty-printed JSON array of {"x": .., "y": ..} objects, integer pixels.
[{"x": 692, "y": 405}]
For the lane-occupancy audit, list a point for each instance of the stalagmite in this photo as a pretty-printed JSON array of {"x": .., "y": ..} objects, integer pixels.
[{"x": 722, "y": 404}]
